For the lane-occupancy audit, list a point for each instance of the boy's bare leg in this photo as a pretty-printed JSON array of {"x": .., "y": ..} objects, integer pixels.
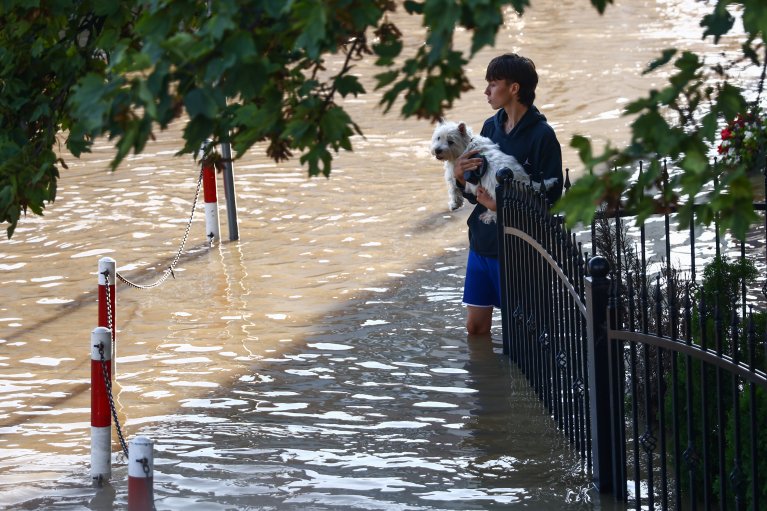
[{"x": 479, "y": 320}]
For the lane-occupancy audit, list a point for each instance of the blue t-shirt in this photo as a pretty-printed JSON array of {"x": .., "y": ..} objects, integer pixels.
[{"x": 535, "y": 146}]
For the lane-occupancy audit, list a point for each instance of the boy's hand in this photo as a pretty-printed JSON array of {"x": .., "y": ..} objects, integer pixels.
[
  {"x": 466, "y": 162},
  {"x": 484, "y": 198}
]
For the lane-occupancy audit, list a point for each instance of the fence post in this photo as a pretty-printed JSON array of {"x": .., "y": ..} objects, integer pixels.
[
  {"x": 598, "y": 359},
  {"x": 501, "y": 208},
  {"x": 101, "y": 420},
  {"x": 212, "y": 225},
  {"x": 140, "y": 475},
  {"x": 229, "y": 193}
]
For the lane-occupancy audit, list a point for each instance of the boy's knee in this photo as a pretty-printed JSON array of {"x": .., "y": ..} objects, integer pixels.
[
  {"x": 477, "y": 327},
  {"x": 479, "y": 320}
]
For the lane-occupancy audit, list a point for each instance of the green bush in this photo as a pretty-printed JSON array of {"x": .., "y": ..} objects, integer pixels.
[{"x": 721, "y": 288}]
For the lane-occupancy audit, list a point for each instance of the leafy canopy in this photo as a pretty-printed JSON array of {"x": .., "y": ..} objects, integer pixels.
[
  {"x": 254, "y": 71},
  {"x": 679, "y": 124}
]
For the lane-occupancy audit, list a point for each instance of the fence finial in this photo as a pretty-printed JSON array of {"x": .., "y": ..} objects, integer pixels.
[
  {"x": 599, "y": 267},
  {"x": 504, "y": 174}
]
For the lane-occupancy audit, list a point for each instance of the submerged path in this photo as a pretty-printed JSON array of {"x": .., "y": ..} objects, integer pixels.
[{"x": 386, "y": 406}]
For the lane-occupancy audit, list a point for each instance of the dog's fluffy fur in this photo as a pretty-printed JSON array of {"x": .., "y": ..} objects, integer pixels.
[{"x": 451, "y": 140}]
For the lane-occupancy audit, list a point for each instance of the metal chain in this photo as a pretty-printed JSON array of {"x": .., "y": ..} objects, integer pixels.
[
  {"x": 108, "y": 385},
  {"x": 169, "y": 271},
  {"x": 144, "y": 466},
  {"x": 110, "y": 321},
  {"x": 107, "y": 380},
  {"x": 104, "y": 370}
]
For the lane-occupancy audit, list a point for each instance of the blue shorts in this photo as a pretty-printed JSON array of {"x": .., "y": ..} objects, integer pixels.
[{"x": 482, "y": 287}]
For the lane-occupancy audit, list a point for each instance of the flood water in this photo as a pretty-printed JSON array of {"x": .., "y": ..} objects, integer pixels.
[{"x": 320, "y": 362}]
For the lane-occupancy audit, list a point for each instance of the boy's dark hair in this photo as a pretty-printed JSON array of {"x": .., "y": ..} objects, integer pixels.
[{"x": 515, "y": 68}]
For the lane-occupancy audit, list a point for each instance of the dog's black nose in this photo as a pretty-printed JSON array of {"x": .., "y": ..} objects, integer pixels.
[{"x": 438, "y": 151}]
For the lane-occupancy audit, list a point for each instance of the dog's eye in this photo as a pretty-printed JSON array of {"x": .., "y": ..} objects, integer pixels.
[{"x": 450, "y": 142}]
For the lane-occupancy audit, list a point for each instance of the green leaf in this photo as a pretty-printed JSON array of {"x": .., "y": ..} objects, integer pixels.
[
  {"x": 384, "y": 79},
  {"x": 106, "y": 8},
  {"x": 718, "y": 22},
  {"x": 601, "y": 5},
  {"x": 688, "y": 63},
  {"x": 708, "y": 125},
  {"x": 665, "y": 57},
  {"x": 348, "y": 84},
  {"x": 387, "y": 51},
  {"x": 334, "y": 125},
  {"x": 580, "y": 202},
  {"x": 583, "y": 146},
  {"x": 199, "y": 102},
  {"x": 755, "y": 18},
  {"x": 413, "y": 7},
  {"x": 239, "y": 45},
  {"x": 695, "y": 159},
  {"x": 730, "y": 101},
  {"x": 519, "y": 5},
  {"x": 217, "y": 25},
  {"x": 310, "y": 17},
  {"x": 434, "y": 94},
  {"x": 89, "y": 102},
  {"x": 276, "y": 8}
]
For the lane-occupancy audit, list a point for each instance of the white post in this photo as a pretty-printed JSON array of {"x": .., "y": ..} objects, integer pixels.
[
  {"x": 140, "y": 475},
  {"x": 101, "y": 418},
  {"x": 212, "y": 225}
]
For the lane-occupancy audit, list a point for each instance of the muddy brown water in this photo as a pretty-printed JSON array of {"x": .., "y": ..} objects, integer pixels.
[{"x": 320, "y": 362}]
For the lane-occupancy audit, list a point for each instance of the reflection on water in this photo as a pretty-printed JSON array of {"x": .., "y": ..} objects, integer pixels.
[{"x": 321, "y": 361}]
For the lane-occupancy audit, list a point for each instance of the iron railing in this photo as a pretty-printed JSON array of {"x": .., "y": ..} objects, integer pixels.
[{"x": 656, "y": 376}]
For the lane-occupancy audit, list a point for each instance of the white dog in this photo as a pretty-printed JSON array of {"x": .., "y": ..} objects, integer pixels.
[{"x": 451, "y": 140}]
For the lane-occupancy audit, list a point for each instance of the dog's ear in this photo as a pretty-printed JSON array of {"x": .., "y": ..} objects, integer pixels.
[
  {"x": 462, "y": 128},
  {"x": 441, "y": 120}
]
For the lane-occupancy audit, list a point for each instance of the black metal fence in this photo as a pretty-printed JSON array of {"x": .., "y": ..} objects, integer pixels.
[{"x": 649, "y": 353}]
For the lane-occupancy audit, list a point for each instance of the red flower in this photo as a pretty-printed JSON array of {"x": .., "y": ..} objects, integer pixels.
[{"x": 744, "y": 141}]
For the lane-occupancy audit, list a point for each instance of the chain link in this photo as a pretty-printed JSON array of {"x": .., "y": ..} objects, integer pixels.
[
  {"x": 110, "y": 320},
  {"x": 144, "y": 466},
  {"x": 108, "y": 385},
  {"x": 169, "y": 271}
]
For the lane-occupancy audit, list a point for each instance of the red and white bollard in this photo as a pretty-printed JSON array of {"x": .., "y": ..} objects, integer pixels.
[
  {"x": 140, "y": 475},
  {"x": 212, "y": 226},
  {"x": 107, "y": 307},
  {"x": 101, "y": 418}
]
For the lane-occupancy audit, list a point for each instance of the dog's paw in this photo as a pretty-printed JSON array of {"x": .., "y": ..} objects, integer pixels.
[
  {"x": 488, "y": 217},
  {"x": 455, "y": 203}
]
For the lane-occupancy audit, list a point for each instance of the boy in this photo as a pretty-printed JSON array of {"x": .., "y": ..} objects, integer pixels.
[{"x": 521, "y": 131}]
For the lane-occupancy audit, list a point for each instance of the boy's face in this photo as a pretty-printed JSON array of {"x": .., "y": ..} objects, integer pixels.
[{"x": 501, "y": 93}]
